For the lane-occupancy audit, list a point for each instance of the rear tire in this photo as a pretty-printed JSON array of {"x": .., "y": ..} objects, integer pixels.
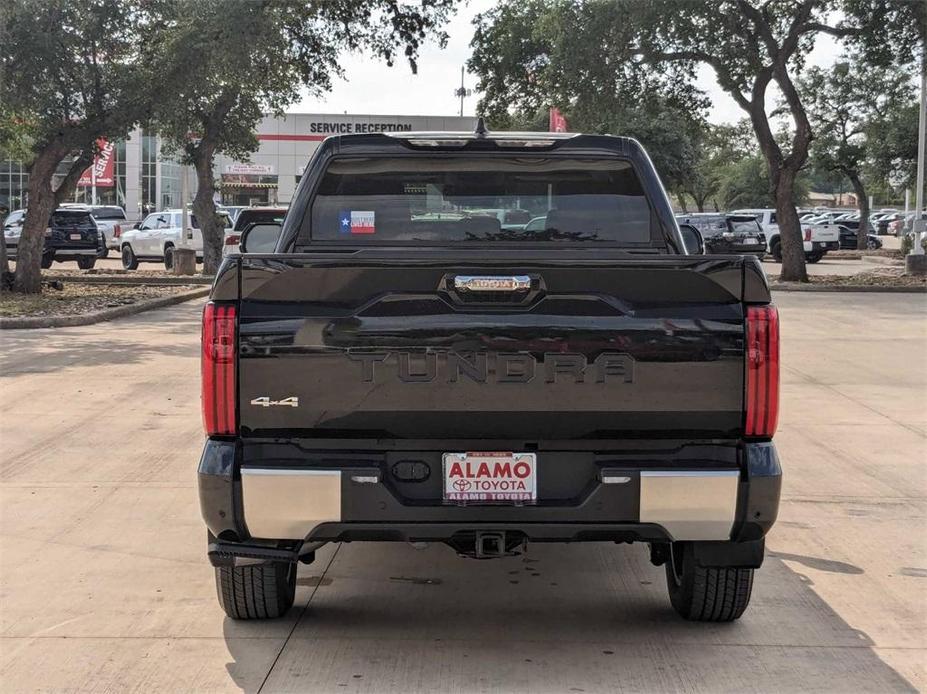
[
  {"x": 261, "y": 591},
  {"x": 47, "y": 260},
  {"x": 775, "y": 249},
  {"x": 169, "y": 257},
  {"x": 706, "y": 594},
  {"x": 86, "y": 263},
  {"x": 813, "y": 257},
  {"x": 129, "y": 259}
]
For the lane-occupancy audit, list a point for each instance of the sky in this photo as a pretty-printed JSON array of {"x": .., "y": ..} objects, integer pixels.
[{"x": 370, "y": 87}]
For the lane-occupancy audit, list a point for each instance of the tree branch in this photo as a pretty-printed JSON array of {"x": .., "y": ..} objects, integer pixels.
[
  {"x": 838, "y": 31},
  {"x": 69, "y": 182},
  {"x": 650, "y": 56}
]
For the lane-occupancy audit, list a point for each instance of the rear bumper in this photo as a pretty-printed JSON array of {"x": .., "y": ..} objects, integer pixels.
[{"x": 257, "y": 499}]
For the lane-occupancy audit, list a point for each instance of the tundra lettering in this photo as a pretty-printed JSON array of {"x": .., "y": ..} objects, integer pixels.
[{"x": 507, "y": 368}]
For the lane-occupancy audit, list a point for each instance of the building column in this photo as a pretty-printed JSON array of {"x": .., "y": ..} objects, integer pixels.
[{"x": 134, "y": 175}]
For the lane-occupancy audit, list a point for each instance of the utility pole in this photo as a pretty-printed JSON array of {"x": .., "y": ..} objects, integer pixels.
[
  {"x": 914, "y": 263},
  {"x": 462, "y": 91}
]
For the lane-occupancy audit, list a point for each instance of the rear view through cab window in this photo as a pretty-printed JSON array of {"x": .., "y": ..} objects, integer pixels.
[{"x": 469, "y": 198}]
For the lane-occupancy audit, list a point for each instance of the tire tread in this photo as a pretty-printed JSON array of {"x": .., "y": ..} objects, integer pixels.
[
  {"x": 713, "y": 594},
  {"x": 256, "y": 592}
]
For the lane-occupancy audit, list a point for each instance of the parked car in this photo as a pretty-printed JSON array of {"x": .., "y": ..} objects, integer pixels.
[
  {"x": 537, "y": 223},
  {"x": 385, "y": 377},
  {"x": 817, "y": 238},
  {"x": 154, "y": 238},
  {"x": 72, "y": 234},
  {"x": 247, "y": 217},
  {"x": 232, "y": 211},
  {"x": 728, "y": 233},
  {"x": 111, "y": 221},
  {"x": 905, "y": 225},
  {"x": 848, "y": 237},
  {"x": 883, "y": 222}
]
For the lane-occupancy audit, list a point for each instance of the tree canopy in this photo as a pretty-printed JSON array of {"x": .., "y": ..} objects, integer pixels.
[
  {"x": 247, "y": 58},
  {"x": 559, "y": 50},
  {"x": 69, "y": 74},
  {"x": 849, "y": 106}
]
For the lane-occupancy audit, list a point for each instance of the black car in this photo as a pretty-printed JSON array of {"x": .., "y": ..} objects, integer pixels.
[
  {"x": 72, "y": 234},
  {"x": 728, "y": 233},
  {"x": 848, "y": 235}
]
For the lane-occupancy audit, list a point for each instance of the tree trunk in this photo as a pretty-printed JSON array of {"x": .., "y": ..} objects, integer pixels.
[
  {"x": 205, "y": 209},
  {"x": 782, "y": 173},
  {"x": 790, "y": 236},
  {"x": 862, "y": 202},
  {"x": 700, "y": 203},
  {"x": 41, "y": 205}
]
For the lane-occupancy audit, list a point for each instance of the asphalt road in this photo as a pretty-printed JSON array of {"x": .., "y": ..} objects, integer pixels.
[{"x": 104, "y": 584}]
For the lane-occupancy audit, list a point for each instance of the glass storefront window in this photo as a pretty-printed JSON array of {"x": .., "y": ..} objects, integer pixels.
[{"x": 14, "y": 184}]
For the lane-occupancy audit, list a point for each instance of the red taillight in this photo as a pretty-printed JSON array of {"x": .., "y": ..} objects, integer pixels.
[
  {"x": 762, "y": 353},
  {"x": 807, "y": 234},
  {"x": 117, "y": 231},
  {"x": 232, "y": 240},
  {"x": 218, "y": 367}
]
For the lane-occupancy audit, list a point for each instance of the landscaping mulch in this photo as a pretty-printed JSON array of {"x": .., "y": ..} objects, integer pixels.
[
  {"x": 881, "y": 277},
  {"x": 78, "y": 299}
]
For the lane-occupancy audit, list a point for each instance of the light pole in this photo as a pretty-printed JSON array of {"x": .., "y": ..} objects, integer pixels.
[
  {"x": 462, "y": 91},
  {"x": 915, "y": 263}
]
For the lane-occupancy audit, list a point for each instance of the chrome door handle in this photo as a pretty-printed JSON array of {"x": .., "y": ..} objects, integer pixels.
[{"x": 492, "y": 283}]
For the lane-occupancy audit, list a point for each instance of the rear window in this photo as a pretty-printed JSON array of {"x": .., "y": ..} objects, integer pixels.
[
  {"x": 109, "y": 213},
  {"x": 459, "y": 199},
  {"x": 71, "y": 218},
  {"x": 248, "y": 217},
  {"x": 744, "y": 225}
]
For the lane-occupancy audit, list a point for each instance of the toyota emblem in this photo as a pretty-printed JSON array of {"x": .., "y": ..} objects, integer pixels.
[{"x": 461, "y": 485}]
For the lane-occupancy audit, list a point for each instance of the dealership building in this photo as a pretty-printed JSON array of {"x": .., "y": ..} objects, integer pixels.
[{"x": 144, "y": 180}]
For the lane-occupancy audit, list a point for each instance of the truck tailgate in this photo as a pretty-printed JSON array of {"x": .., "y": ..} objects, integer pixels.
[{"x": 385, "y": 344}]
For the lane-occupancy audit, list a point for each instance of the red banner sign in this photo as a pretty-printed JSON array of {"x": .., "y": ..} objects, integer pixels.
[
  {"x": 558, "y": 123},
  {"x": 103, "y": 166}
]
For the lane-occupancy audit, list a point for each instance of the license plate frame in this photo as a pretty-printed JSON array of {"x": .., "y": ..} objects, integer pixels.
[
  {"x": 505, "y": 478},
  {"x": 76, "y": 237}
]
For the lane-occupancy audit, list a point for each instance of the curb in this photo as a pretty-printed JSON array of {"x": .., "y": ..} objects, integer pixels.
[
  {"x": 881, "y": 260},
  {"x": 848, "y": 288},
  {"x": 100, "y": 316},
  {"x": 129, "y": 280}
]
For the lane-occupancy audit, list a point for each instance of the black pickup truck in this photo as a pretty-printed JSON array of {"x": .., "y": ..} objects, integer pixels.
[{"x": 392, "y": 364}]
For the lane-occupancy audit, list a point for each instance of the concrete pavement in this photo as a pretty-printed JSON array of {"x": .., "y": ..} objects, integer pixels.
[{"x": 104, "y": 584}]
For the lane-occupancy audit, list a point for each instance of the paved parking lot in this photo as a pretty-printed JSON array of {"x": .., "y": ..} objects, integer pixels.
[{"x": 104, "y": 583}]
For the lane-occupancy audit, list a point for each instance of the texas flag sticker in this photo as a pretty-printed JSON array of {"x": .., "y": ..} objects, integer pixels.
[{"x": 356, "y": 222}]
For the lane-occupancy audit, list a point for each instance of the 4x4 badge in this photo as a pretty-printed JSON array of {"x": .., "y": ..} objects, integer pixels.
[{"x": 265, "y": 401}]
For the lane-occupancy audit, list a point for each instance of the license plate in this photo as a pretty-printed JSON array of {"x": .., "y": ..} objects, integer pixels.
[
  {"x": 76, "y": 237},
  {"x": 490, "y": 477},
  {"x": 750, "y": 240}
]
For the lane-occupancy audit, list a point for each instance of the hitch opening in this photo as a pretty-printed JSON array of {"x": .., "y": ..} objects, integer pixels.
[{"x": 489, "y": 544}]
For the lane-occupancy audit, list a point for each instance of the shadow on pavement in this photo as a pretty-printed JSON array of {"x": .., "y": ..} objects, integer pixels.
[
  {"x": 388, "y": 618},
  {"x": 131, "y": 340}
]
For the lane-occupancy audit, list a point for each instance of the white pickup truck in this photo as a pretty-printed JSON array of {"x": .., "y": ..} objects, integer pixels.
[
  {"x": 818, "y": 238},
  {"x": 155, "y": 237}
]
